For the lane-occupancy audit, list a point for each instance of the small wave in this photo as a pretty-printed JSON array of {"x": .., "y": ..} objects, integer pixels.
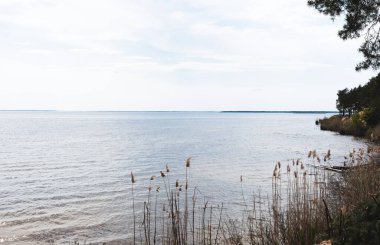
[
  {"x": 29, "y": 220},
  {"x": 72, "y": 232}
]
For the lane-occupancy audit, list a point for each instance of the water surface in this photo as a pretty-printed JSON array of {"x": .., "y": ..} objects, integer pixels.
[{"x": 65, "y": 175}]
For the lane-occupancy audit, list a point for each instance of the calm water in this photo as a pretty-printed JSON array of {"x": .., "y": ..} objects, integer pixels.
[{"x": 65, "y": 175}]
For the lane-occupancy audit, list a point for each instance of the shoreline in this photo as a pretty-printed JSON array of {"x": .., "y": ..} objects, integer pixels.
[{"x": 352, "y": 126}]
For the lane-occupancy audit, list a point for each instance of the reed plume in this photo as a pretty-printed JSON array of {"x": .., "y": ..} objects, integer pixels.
[
  {"x": 188, "y": 162},
  {"x": 133, "y": 209},
  {"x": 291, "y": 218}
]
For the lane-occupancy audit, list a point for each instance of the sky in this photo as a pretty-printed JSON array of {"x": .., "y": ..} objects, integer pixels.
[{"x": 172, "y": 55}]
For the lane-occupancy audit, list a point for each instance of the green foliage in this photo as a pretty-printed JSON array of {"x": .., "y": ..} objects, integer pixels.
[
  {"x": 369, "y": 116},
  {"x": 357, "y": 121},
  {"x": 365, "y": 99},
  {"x": 361, "y": 19},
  {"x": 362, "y": 226}
]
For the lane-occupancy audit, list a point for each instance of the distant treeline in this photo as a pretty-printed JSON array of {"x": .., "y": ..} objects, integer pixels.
[{"x": 362, "y": 99}]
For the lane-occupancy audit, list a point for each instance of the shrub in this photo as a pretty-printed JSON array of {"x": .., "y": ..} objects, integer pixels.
[
  {"x": 362, "y": 226},
  {"x": 333, "y": 123},
  {"x": 369, "y": 115},
  {"x": 375, "y": 133}
]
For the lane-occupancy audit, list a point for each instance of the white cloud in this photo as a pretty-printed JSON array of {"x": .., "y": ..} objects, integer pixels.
[{"x": 117, "y": 54}]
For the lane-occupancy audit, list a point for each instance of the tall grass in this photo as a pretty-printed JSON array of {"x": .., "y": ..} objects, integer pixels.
[
  {"x": 306, "y": 204},
  {"x": 133, "y": 181}
]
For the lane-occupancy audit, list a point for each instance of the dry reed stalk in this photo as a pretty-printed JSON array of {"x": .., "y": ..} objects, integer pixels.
[
  {"x": 309, "y": 208},
  {"x": 186, "y": 199},
  {"x": 219, "y": 225},
  {"x": 193, "y": 215},
  {"x": 133, "y": 209}
]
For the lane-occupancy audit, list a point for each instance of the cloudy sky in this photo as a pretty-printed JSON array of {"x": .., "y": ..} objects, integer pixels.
[{"x": 172, "y": 55}]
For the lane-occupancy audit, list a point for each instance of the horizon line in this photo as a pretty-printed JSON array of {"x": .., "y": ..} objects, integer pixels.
[{"x": 217, "y": 111}]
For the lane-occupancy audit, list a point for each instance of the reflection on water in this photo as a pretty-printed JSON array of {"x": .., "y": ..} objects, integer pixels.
[{"x": 65, "y": 175}]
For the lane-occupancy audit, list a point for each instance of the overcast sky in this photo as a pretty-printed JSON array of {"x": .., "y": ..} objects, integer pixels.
[{"x": 172, "y": 55}]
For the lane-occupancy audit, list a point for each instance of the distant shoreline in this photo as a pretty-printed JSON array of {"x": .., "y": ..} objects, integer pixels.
[
  {"x": 295, "y": 112},
  {"x": 242, "y": 111}
]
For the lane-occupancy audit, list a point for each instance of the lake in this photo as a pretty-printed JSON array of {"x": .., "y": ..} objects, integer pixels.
[{"x": 66, "y": 175}]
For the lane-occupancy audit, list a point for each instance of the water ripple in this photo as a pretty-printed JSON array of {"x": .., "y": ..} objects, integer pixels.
[{"x": 66, "y": 175}]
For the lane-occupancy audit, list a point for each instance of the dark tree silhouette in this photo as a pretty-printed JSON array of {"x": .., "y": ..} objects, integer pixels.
[
  {"x": 362, "y": 98},
  {"x": 341, "y": 103},
  {"x": 361, "y": 18}
]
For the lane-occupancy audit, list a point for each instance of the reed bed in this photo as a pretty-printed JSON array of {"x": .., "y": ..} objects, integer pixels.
[{"x": 306, "y": 204}]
